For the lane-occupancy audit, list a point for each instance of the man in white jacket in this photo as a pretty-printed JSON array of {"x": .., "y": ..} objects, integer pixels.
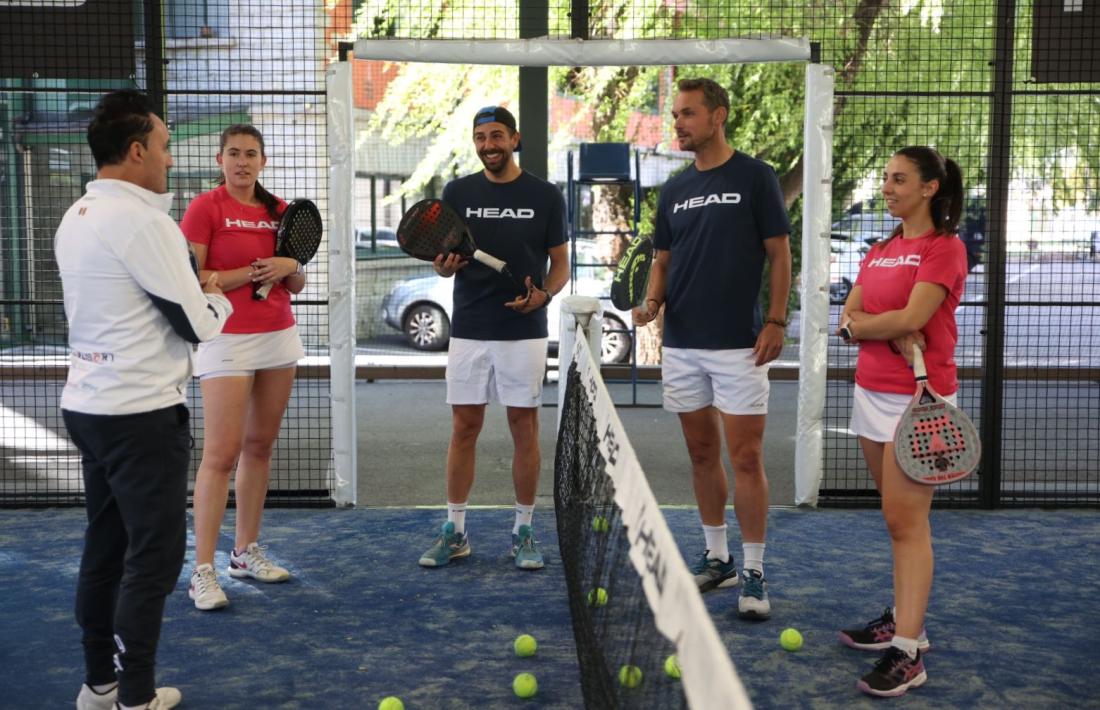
[{"x": 135, "y": 308}]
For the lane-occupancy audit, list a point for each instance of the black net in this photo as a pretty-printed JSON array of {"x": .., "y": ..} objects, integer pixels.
[
  {"x": 635, "y": 608},
  {"x": 612, "y": 622}
]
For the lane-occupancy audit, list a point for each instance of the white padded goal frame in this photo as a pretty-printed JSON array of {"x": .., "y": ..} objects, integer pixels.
[{"x": 817, "y": 191}]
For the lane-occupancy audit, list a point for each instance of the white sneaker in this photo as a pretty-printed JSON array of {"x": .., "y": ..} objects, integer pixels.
[
  {"x": 254, "y": 563},
  {"x": 205, "y": 589},
  {"x": 91, "y": 700}
]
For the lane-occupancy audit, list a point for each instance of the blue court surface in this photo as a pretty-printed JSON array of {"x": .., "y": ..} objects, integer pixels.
[{"x": 1014, "y": 620}]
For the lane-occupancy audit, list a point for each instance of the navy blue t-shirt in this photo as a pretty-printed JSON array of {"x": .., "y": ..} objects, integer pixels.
[
  {"x": 517, "y": 221},
  {"x": 714, "y": 224}
]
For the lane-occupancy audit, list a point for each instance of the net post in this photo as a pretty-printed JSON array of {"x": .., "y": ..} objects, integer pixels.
[
  {"x": 341, "y": 282},
  {"x": 583, "y": 311},
  {"x": 814, "y": 335}
]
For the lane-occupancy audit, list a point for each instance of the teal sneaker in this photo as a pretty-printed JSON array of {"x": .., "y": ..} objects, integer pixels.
[
  {"x": 525, "y": 549},
  {"x": 712, "y": 574},
  {"x": 447, "y": 547}
]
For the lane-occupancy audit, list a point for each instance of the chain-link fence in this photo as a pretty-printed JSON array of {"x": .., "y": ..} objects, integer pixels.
[{"x": 1010, "y": 90}]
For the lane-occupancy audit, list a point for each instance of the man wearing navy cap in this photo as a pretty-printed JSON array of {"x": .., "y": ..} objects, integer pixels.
[{"x": 498, "y": 337}]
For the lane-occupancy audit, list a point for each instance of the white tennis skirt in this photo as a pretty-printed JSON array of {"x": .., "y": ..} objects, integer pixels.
[
  {"x": 875, "y": 415},
  {"x": 236, "y": 354}
]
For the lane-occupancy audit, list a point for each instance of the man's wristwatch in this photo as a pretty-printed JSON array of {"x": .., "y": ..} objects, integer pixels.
[{"x": 549, "y": 297}]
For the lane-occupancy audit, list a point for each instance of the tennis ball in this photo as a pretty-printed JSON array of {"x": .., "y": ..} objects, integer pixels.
[
  {"x": 525, "y": 645},
  {"x": 630, "y": 676},
  {"x": 600, "y": 524},
  {"x": 790, "y": 639},
  {"x": 391, "y": 703},
  {"x": 597, "y": 597},
  {"x": 525, "y": 685},
  {"x": 672, "y": 667}
]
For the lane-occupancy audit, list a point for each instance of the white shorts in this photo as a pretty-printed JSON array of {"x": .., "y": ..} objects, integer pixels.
[
  {"x": 728, "y": 379},
  {"x": 875, "y": 415},
  {"x": 242, "y": 354},
  {"x": 509, "y": 371}
]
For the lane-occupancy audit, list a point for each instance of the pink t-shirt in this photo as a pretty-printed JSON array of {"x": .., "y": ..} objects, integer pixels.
[
  {"x": 887, "y": 277},
  {"x": 235, "y": 235}
]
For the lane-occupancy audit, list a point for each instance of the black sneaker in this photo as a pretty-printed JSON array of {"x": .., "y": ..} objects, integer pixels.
[
  {"x": 894, "y": 674},
  {"x": 877, "y": 635}
]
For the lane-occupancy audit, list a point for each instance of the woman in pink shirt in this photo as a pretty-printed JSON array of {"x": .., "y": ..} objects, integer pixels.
[
  {"x": 247, "y": 372},
  {"x": 905, "y": 296}
]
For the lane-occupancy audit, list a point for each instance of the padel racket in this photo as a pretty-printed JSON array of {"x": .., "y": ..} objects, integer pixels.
[
  {"x": 431, "y": 228},
  {"x": 935, "y": 442},
  {"x": 298, "y": 237},
  {"x": 628, "y": 287}
]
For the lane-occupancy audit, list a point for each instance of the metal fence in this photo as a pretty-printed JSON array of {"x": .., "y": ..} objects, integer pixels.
[{"x": 1011, "y": 90}]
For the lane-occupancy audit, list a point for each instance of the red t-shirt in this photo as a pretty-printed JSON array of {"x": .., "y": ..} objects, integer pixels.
[
  {"x": 235, "y": 235},
  {"x": 887, "y": 276}
]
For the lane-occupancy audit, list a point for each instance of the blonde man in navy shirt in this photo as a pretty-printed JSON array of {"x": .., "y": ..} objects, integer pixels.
[{"x": 717, "y": 223}]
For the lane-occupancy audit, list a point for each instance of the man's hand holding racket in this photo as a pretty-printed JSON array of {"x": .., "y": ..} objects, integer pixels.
[
  {"x": 646, "y": 311},
  {"x": 450, "y": 264}
]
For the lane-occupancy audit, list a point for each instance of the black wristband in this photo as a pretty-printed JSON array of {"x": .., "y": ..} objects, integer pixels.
[
  {"x": 845, "y": 334},
  {"x": 549, "y": 297}
]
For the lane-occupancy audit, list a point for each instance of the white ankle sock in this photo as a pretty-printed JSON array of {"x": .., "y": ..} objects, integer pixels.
[
  {"x": 754, "y": 556},
  {"x": 905, "y": 644},
  {"x": 524, "y": 515},
  {"x": 717, "y": 547},
  {"x": 456, "y": 513}
]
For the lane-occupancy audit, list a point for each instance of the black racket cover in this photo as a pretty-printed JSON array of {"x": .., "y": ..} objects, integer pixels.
[
  {"x": 298, "y": 237},
  {"x": 430, "y": 228},
  {"x": 628, "y": 288}
]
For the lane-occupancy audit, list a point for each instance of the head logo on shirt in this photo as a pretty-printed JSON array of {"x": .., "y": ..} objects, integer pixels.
[
  {"x": 890, "y": 262},
  {"x": 497, "y": 213},
  {"x": 726, "y": 198},
  {"x": 249, "y": 224}
]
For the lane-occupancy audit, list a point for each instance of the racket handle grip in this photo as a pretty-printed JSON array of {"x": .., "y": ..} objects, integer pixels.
[
  {"x": 491, "y": 261},
  {"x": 919, "y": 371},
  {"x": 259, "y": 293}
]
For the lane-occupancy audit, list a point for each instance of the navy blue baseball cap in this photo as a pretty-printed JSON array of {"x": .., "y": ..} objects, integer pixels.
[{"x": 497, "y": 114}]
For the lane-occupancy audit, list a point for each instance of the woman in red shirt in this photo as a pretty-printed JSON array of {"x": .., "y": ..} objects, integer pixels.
[
  {"x": 905, "y": 296},
  {"x": 247, "y": 372}
]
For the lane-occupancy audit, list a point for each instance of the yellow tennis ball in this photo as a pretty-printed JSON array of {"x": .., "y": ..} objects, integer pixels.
[
  {"x": 600, "y": 524},
  {"x": 790, "y": 639},
  {"x": 525, "y": 685},
  {"x": 630, "y": 676},
  {"x": 525, "y": 645},
  {"x": 672, "y": 667},
  {"x": 597, "y": 597},
  {"x": 391, "y": 703}
]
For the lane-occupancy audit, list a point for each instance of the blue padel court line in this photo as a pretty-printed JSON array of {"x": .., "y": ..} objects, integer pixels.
[{"x": 1014, "y": 619}]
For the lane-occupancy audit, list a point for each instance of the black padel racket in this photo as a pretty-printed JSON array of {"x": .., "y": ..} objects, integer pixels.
[
  {"x": 298, "y": 237},
  {"x": 431, "y": 228},
  {"x": 935, "y": 442},
  {"x": 632, "y": 274}
]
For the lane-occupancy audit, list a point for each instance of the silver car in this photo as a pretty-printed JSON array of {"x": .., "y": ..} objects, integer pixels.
[{"x": 420, "y": 307}]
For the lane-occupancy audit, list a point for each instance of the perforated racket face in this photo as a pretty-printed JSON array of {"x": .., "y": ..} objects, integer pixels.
[
  {"x": 300, "y": 231},
  {"x": 935, "y": 442},
  {"x": 430, "y": 228},
  {"x": 628, "y": 288}
]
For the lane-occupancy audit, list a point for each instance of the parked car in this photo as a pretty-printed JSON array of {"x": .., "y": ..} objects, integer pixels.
[
  {"x": 420, "y": 307},
  {"x": 385, "y": 244},
  {"x": 844, "y": 259}
]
